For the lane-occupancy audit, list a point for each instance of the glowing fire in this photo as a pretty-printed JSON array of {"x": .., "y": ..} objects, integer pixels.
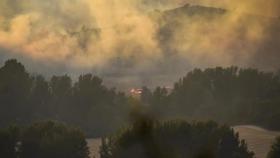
[{"x": 136, "y": 91}]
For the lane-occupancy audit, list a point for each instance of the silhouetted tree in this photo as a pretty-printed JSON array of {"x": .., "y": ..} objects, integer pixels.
[
  {"x": 9, "y": 139},
  {"x": 53, "y": 140},
  {"x": 15, "y": 86},
  {"x": 275, "y": 149},
  {"x": 227, "y": 95},
  {"x": 230, "y": 95},
  {"x": 87, "y": 103},
  {"x": 176, "y": 139},
  {"x": 146, "y": 96},
  {"x": 40, "y": 98},
  {"x": 61, "y": 98}
]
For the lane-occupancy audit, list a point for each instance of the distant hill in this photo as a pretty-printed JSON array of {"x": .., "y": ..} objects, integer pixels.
[
  {"x": 256, "y": 35},
  {"x": 192, "y": 10}
]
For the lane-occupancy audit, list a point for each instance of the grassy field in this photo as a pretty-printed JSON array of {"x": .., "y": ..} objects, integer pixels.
[{"x": 259, "y": 140}]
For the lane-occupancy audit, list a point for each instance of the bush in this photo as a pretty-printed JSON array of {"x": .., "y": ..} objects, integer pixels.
[
  {"x": 8, "y": 142},
  {"x": 175, "y": 139},
  {"x": 275, "y": 149},
  {"x": 53, "y": 140}
]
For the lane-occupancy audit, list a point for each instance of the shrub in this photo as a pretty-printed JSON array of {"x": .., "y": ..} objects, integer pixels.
[
  {"x": 53, "y": 140},
  {"x": 8, "y": 142},
  {"x": 275, "y": 149},
  {"x": 175, "y": 139}
]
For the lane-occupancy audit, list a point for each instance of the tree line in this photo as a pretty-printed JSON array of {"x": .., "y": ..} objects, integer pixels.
[
  {"x": 86, "y": 103},
  {"x": 227, "y": 95}
]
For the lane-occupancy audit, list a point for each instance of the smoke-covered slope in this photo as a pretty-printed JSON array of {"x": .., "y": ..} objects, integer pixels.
[{"x": 128, "y": 46}]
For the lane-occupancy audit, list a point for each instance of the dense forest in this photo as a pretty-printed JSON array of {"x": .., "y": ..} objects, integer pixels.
[
  {"x": 87, "y": 103},
  {"x": 226, "y": 95}
]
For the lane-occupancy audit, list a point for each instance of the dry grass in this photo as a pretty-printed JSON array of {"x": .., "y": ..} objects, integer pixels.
[{"x": 259, "y": 140}]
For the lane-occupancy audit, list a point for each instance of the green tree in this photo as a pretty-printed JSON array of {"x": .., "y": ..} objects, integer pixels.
[
  {"x": 61, "y": 93},
  {"x": 15, "y": 87},
  {"x": 40, "y": 98},
  {"x": 9, "y": 139},
  {"x": 146, "y": 96},
  {"x": 176, "y": 139},
  {"x": 53, "y": 140},
  {"x": 275, "y": 149}
]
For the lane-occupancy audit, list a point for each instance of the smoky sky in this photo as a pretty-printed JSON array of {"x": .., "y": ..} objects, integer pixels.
[{"x": 139, "y": 42}]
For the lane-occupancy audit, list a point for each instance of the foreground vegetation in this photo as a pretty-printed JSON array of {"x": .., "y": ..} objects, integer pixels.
[
  {"x": 43, "y": 140},
  {"x": 275, "y": 149},
  {"x": 145, "y": 138},
  {"x": 175, "y": 139},
  {"x": 226, "y": 95}
]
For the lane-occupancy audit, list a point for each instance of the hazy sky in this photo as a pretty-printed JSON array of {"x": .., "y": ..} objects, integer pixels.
[{"x": 120, "y": 37}]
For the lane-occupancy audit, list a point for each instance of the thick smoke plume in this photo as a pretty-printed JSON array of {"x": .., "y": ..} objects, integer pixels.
[{"x": 141, "y": 41}]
